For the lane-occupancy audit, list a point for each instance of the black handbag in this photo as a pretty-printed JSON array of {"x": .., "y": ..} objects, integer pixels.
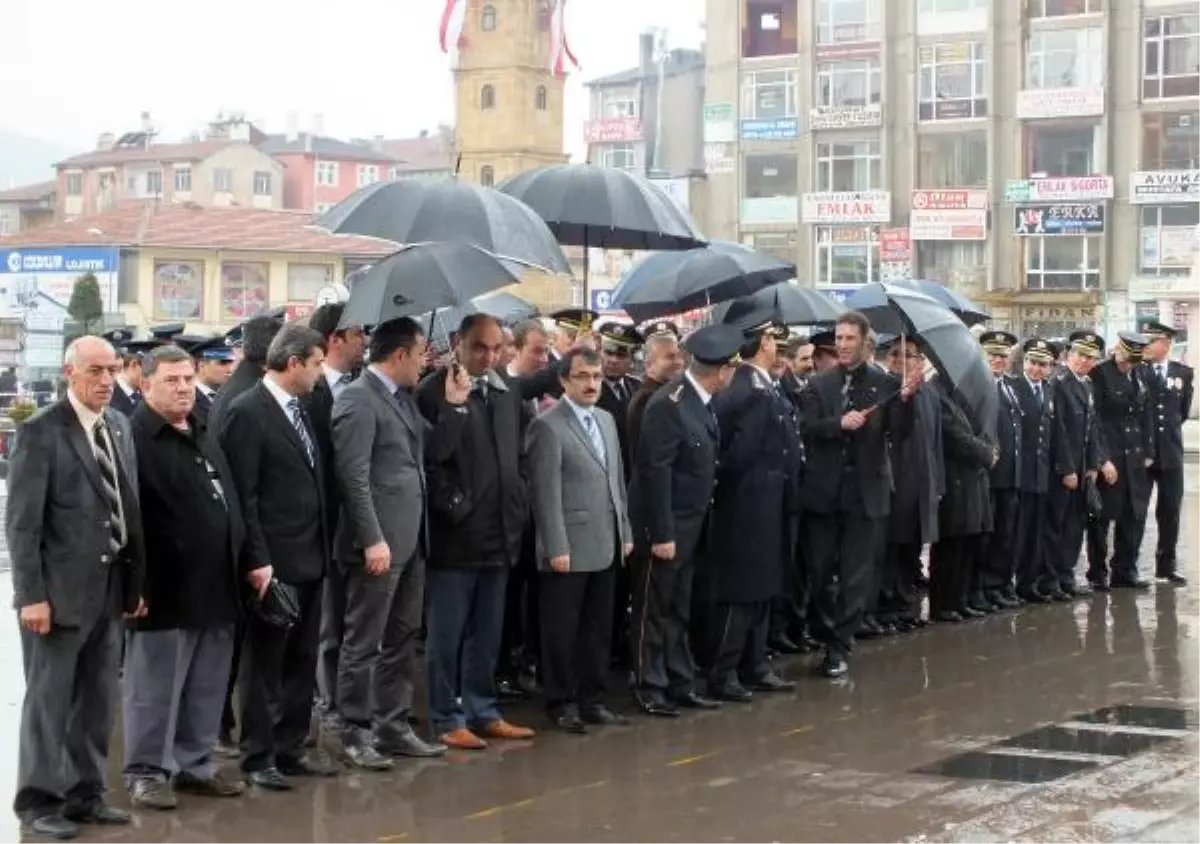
[{"x": 279, "y": 606}]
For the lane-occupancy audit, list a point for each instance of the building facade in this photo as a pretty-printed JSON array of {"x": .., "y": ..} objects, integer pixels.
[
  {"x": 319, "y": 171},
  {"x": 26, "y": 207},
  {"x": 1042, "y": 156}
]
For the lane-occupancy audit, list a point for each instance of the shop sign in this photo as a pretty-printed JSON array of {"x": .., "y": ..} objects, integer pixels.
[
  {"x": 1059, "y": 219},
  {"x": 1060, "y": 189},
  {"x": 1160, "y": 186},
  {"x": 1042, "y": 103},
  {"x": 835, "y": 207},
  {"x": 775, "y": 129},
  {"x": 845, "y": 117},
  {"x": 720, "y": 127},
  {"x": 961, "y": 224},
  {"x": 895, "y": 246}
]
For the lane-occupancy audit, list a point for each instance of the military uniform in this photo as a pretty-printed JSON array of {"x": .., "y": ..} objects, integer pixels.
[
  {"x": 1036, "y": 535},
  {"x": 998, "y": 572}
]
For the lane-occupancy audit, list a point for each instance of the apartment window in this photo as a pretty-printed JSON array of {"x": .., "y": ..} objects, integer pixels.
[
  {"x": 946, "y": 261},
  {"x": 952, "y": 82},
  {"x": 771, "y": 175},
  {"x": 304, "y": 280},
  {"x": 851, "y": 83},
  {"x": 368, "y": 174},
  {"x": 848, "y": 166},
  {"x": 487, "y": 19},
  {"x": 617, "y": 156},
  {"x": 1172, "y": 57},
  {"x": 847, "y": 254},
  {"x": 154, "y": 183},
  {"x": 770, "y": 28},
  {"x": 262, "y": 183},
  {"x": 1169, "y": 237},
  {"x": 222, "y": 179},
  {"x": 327, "y": 173},
  {"x": 74, "y": 184},
  {"x": 487, "y": 97},
  {"x": 619, "y": 107},
  {"x": 1062, "y": 8},
  {"x": 768, "y": 94},
  {"x": 8, "y": 223},
  {"x": 958, "y": 160},
  {"x": 487, "y": 176},
  {"x": 1171, "y": 141},
  {"x": 1063, "y": 151},
  {"x": 244, "y": 289},
  {"x": 1065, "y": 58},
  {"x": 848, "y": 20},
  {"x": 539, "y": 98},
  {"x": 1063, "y": 262},
  {"x": 183, "y": 179}
]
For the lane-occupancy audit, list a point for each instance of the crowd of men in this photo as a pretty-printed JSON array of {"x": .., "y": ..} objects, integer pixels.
[{"x": 234, "y": 530}]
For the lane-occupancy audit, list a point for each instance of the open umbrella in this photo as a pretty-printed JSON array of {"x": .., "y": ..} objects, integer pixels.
[
  {"x": 424, "y": 277},
  {"x": 504, "y": 306},
  {"x": 962, "y": 307},
  {"x": 946, "y": 341},
  {"x": 674, "y": 282},
  {"x": 788, "y": 303},
  {"x": 424, "y": 210},
  {"x": 586, "y": 205}
]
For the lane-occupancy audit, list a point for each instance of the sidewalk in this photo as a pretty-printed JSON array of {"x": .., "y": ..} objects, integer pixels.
[{"x": 1191, "y": 436}]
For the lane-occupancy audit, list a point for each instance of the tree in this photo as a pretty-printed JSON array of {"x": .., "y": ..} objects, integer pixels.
[{"x": 86, "y": 306}]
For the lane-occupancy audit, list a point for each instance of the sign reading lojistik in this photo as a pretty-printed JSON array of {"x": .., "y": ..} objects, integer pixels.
[{"x": 1059, "y": 219}]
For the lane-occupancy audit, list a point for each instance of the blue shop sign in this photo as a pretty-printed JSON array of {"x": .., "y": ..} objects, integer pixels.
[
  {"x": 76, "y": 260},
  {"x": 1064, "y": 218},
  {"x": 777, "y": 129}
]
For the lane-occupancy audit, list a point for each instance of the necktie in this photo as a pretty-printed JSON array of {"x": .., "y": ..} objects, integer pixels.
[
  {"x": 136, "y": 397},
  {"x": 712, "y": 418},
  {"x": 1161, "y": 369},
  {"x": 593, "y": 432},
  {"x": 481, "y": 387},
  {"x": 1037, "y": 392},
  {"x": 618, "y": 389},
  {"x": 345, "y": 378},
  {"x": 302, "y": 430},
  {"x": 112, "y": 488}
]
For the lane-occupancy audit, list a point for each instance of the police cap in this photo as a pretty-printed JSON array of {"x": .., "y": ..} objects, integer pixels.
[
  {"x": 167, "y": 332},
  {"x": 998, "y": 342},
  {"x": 1039, "y": 349},
  {"x": 825, "y": 341},
  {"x": 1157, "y": 331},
  {"x": 619, "y": 335},
  {"x": 1086, "y": 343},
  {"x": 716, "y": 345},
  {"x": 574, "y": 319},
  {"x": 659, "y": 327},
  {"x": 1132, "y": 344}
]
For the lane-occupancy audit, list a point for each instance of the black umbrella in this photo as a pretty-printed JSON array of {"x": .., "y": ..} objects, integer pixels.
[
  {"x": 504, "y": 306},
  {"x": 586, "y": 206},
  {"x": 674, "y": 282},
  {"x": 966, "y": 310},
  {"x": 424, "y": 277},
  {"x": 426, "y": 210},
  {"x": 788, "y": 303},
  {"x": 945, "y": 340}
]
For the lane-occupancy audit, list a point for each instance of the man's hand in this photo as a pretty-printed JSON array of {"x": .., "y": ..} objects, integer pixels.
[
  {"x": 561, "y": 563},
  {"x": 141, "y": 611},
  {"x": 663, "y": 550},
  {"x": 260, "y": 579},
  {"x": 1110, "y": 472},
  {"x": 854, "y": 420},
  {"x": 911, "y": 385},
  {"x": 1149, "y": 462},
  {"x": 458, "y": 385},
  {"x": 1071, "y": 481},
  {"x": 378, "y": 558},
  {"x": 626, "y": 549},
  {"x": 36, "y": 618},
  {"x": 1091, "y": 475},
  {"x": 995, "y": 456}
]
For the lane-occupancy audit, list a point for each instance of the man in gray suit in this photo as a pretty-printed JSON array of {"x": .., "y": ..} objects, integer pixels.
[
  {"x": 381, "y": 544},
  {"x": 74, "y": 535},
  {"x": 577, "y": 483}
]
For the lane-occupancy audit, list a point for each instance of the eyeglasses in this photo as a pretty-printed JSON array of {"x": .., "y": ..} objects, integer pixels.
[{"x": 584, "y": 377}]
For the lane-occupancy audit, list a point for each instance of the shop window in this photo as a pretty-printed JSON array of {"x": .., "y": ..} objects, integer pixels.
[
  {"x": 958, "y": 160},
  {"x": 1063, "y": 262}
]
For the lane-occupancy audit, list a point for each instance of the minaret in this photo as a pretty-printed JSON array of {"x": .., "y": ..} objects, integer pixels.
[{"x": 509, "y": 104}]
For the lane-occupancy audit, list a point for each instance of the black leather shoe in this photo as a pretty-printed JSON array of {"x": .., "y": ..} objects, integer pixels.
[
  {"x": 408, "y": 743},
  {"x": 97, "y": 812},
  {"x": 1035, "y": 596},
  {"x": 567, "y": 719},
  {"x": 984, "y": 609},
  {"x": 834, "y": 666},
  {"x": 1173, "y": 577},
  {"x": 948, "y": 617},
  {"x": 656, "y": 708},
  {"x": 869, "y": 629},
  {"x": 783, "y": 643},
  {"x": 51, "y": 826},
  {"x": 1131, "y": 584},
  {"x": 508, "y": 691},
  {"x": 151, "y": 793},
  {"x": 219, "y": 784},
  {"x": 691, "y": 700},
  {"x": 971, "y": 612},
  {"x": 364, "y": 755},
  {"x": 808, "y": 644},
  {"x": 771, "y": 683},
  {"x": 731, "y": 692},
  {"x": 271, "y": 779},
  {"x": 601, "y": 714},
  {"x": 305, "y": 766}
]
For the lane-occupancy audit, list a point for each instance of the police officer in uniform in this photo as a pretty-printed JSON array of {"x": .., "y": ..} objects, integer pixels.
[
  {"x": 673, "y": 477},
  {"x": 1123, "y": 408},
  {"x": 214, "y": 364},
  {"x": 998, "y": 570},
  {"x": 569, "y": 324},
  {"x": 1036, "y": 537},
  {"x": 127, "y": 391},
  {"x": 1171, "y": 384}
]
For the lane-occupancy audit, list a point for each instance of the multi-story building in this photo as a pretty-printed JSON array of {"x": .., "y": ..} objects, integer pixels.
[
  {"x": 427, "y": 156},
  {"x": 1042, "y": 156},
  {"x": 26, "y": 207},
  {"x": 223, "y": 169},
  {"x": 319, "y": 171}
]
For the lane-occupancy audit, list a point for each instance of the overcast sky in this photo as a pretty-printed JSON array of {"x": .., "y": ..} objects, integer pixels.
[{"x": 367, "y": 66}]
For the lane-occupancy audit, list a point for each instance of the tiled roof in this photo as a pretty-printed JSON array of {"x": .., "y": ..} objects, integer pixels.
[
  {"x": 324, "y": 147},
  {"x": 681, "y": 62},
  {"x": 38, "y": 192},
  {"x": 192, "y": 151},
  {"x": 191, "y": 226},
  {"x": 431, "y": 152}
]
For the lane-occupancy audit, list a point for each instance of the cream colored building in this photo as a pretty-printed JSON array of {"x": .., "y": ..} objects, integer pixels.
[{"x": 1042, "y": 156}]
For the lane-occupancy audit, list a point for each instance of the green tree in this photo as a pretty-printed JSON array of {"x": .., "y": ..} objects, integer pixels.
[{"x": 86, "y": 306}]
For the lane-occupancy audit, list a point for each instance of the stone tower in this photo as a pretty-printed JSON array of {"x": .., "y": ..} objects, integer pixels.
[{"x": 510, "y": 107}]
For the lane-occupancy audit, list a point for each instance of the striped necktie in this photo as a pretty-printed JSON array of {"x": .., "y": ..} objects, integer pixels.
[
  {"x": 112, "y": 487},
  {"x": 302, "y": 430},
  {"x": 593, "y": 432}
]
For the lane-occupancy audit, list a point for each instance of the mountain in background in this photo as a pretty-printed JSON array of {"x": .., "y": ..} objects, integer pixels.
[{"x": 24, "y": 160}]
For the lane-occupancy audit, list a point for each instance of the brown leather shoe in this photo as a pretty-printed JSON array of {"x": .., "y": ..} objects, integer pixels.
[
  {"x": 462, "y": 739},
  {"x": 501, "y": 729}
]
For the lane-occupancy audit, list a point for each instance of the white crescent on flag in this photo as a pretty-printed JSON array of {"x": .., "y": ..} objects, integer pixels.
[
  {"x": 451, "y": 28},
  {"x": 560, "y": 50}
]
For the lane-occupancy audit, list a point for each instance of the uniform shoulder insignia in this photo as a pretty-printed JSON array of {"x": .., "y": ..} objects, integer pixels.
[
  {"x": 757, "y": 380},
  {"x": 676, "y": 394}
]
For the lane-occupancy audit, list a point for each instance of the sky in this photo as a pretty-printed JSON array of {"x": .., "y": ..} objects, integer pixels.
[{"x": 77, "y": 68}]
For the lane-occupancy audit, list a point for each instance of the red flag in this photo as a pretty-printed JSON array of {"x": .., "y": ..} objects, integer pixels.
[{"x": 450, "y": 31}]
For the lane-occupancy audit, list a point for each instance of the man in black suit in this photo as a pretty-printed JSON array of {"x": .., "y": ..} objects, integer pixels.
[
  {"x": 664, "y": 362},
  {"x": 74, "y": 536},
  {"x": 1035, "y": 535},
  {"x": 848, "y": 414},
  {"x": 127, "y": 391},
  {"x": 1171, "y": 385},
  {"x": 997, "y": 568},
  {"x": 343, "y": 359},
  {"x": 669, "y": 499},
  {"x": 277, "y": 469}
]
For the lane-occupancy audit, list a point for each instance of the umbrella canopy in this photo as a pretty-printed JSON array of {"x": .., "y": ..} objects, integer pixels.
[
  {"x": 504, "y": 306},
  {"x": 586, "y": 205},
  {"x": 788, "y": 303},
  {"x": 674, "y": 282},
  {"x": 946, "y": 341},
  {"x": 424, "y": 277},
  {"x": 962, "y": 307},
  {"x": 422, "y": 210}
]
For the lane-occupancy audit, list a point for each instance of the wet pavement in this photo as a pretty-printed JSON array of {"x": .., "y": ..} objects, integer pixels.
[{"x": 1066, "y": 722}]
